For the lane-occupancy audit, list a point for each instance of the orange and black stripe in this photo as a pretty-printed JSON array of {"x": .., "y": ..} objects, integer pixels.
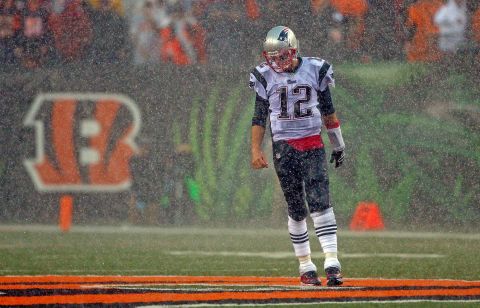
[{"x": 130, "y": 290}]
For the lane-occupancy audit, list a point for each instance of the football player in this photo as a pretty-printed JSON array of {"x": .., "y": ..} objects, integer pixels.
[{"x": 294, "y": 93}]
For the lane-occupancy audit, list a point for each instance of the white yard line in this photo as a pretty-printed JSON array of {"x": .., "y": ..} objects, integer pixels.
[
  {"x": 289, "y": 254},
  {"x": 61, "y": 272},
  {"x": 213, "y": 231},
  {"x": 114, "y": 271}
]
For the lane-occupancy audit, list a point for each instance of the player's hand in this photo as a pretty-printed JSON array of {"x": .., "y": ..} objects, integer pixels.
[
  {"x": 337, "y": 157},
  {"x": 258, "y": 160}
]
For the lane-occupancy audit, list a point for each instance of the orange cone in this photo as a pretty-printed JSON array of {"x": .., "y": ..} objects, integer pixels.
[
  {"x": 367, "y": 217},
  {"x": 65, "y": 215}
]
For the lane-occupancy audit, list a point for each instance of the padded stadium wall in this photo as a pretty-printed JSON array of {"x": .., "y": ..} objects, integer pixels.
[{"x": 196, "y": 124}]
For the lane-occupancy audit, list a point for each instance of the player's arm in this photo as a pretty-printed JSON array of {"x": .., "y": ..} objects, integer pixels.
[
  {"x": 258, "y": 157},
  {"x": 259, "y": 122},
  {"x": 332, "y": 124},
  {"x": 330, "y": 120}
]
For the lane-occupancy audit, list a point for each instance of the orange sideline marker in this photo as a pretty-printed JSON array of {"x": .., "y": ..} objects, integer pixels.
[
  {"x": 367, "y": 217},
  {"x": 65, "y": 215}
]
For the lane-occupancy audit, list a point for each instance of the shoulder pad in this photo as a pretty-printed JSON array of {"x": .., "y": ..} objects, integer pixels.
[
  {"x": 258, "y": 81},
  {"x": 262, "y": 68},
  {"x": 260, "y": 72},
  {"x": 315, "y": 61},
  {"x": 325, "y": 76}
]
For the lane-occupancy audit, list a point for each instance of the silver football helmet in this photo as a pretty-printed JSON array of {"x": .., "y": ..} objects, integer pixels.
[{"x": 280, "y": 48}]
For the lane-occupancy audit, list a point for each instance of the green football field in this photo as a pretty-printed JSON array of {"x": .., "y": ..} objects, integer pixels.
[
  {"x": 135, "y": 251},
  {"x": 197, "y": 251}
]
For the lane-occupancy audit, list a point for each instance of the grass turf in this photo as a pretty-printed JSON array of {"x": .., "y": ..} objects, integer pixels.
[{"x": 191, "y": 251}]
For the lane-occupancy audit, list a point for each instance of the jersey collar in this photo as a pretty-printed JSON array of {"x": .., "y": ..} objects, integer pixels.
[{"x": 300, "y": 61}]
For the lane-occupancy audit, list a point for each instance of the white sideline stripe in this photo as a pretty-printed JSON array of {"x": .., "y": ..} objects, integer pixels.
[
  {"x": 289, "y": 254},
  {"x": 232, "y": 231},
  {"x": 320, "y": 303},
  {"x": 208, "y": 287}
]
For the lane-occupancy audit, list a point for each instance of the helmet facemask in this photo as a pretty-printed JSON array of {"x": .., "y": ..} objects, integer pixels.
[{"x": 282, "y": 60}]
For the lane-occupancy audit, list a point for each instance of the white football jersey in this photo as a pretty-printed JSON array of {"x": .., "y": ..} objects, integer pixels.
[{"x": 293, "y": 97}]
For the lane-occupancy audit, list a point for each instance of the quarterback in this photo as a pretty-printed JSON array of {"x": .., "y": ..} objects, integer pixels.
[{"x": 292, "y": 92}]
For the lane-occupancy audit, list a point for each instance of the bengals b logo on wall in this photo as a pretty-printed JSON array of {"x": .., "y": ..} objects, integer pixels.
[{"x": 84, "y": 141}]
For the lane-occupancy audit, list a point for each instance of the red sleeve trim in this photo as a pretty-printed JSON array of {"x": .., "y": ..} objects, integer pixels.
[{"x": 334, "y": 125}]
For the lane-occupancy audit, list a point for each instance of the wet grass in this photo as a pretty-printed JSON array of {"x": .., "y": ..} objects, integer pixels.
[
  {"x": 383, "y": 74},
  {"x": 231, "y": 252}
]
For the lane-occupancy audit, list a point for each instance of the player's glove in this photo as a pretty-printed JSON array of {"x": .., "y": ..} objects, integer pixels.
[{"x": 337, "y": 157}]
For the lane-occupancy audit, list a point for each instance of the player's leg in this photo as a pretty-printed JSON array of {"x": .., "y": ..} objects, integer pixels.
[
  {"x": 288, "y": 171},
  {"x": 326, "y": 230},
  {"x": 318, "y": 199},
  {"x": 301, "y": 245}
]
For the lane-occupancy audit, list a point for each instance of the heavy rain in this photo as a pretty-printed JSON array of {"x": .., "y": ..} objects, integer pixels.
[{"x": 239, "y": 138}]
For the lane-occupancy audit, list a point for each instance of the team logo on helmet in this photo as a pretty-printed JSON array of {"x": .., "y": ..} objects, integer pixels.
[
  {"x": 84, "y": 141},
  {"x": 283, "y": 36}
]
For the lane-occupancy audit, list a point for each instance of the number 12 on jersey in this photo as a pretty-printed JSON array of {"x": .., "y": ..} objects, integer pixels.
[{"x": 305, "y": 94}]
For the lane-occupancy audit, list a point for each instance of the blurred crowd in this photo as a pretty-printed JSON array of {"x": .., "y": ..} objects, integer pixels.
[{"x": 36, "y": 33}]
